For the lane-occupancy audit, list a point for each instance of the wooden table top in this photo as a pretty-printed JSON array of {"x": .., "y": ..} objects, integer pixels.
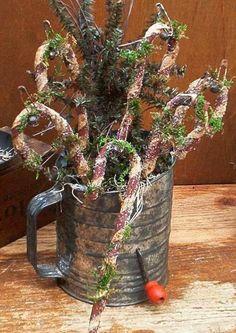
[{"x": 202, "y": 264}]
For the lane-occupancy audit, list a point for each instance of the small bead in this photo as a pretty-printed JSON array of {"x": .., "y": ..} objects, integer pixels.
[
  {"x": 215, "y": 88},
  {"x": 33, "y": 121},
  {"x": 52, "y": 55},
  {"x": 164, "y": 35},
  {"x": 155, "y": 292}
]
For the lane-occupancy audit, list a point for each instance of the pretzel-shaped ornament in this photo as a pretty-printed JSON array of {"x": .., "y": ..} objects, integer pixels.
[
  {"x": 65, "y": 133},
  {"x": 206, "y": 126},
  {"x": 180, "y": 104},
  {"x": 60, "y": 48}
]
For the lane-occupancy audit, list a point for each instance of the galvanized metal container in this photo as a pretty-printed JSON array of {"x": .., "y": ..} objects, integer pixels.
[{"x": 84, "y": 233}]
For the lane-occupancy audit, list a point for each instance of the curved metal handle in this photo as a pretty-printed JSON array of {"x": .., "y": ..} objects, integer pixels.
[{"x": 36, "y": 205}]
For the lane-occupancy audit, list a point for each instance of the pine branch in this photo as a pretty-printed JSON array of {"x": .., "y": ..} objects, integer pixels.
[
  {"x": 114, "y": 19},
  {"x": 85, "y": 16},
  {"x": 89, "y": 30},
  {"x": 66, "y": 18},
  {"x": 107, "y": 70},
  {"x": 152, "y": 100}
]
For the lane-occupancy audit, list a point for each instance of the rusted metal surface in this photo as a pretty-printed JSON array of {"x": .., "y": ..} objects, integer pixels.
[{"x": 84, "y": 232}]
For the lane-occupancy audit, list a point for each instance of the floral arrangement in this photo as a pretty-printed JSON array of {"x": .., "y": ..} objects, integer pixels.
[{"x": 101, "y": 103}]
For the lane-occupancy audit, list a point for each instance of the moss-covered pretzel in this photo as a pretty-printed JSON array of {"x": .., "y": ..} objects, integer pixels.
[
  {"x": 208, "y": 123},
  {"x": 55, "y": 45},
  {"x": 208, "y": 120},
  {"x": 66, "y": 137},
  {"x": 109, "y": 266},
  {"x": 178, "y": 105}
]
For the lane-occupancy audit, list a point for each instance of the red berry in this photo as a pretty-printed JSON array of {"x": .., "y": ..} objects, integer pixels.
[{"x": 155, "y": 292}]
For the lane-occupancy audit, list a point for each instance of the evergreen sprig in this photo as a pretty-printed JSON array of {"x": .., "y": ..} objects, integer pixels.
[
  {"x": 216, "y": 124},
  {"x": 65, "y": 17},
  {"x": 114, "y": 19},
  {"x": 90, "y": 33},
  {"x": 179, "y": 29},
  {"x": 199, "y": 108}
]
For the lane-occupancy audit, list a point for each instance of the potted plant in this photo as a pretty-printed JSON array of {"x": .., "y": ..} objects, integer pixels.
[{"x": 109, "y": 163}]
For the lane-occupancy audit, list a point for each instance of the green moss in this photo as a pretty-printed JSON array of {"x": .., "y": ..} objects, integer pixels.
[
  {"x": 117, "y": 172},
  {"x": 47, "y": 97},
  {"x": 124, "y": 145},
  {"x": 199, "y": 108},
  {"x": 44, "y": 97},
  {"x": 167, "y": 130},
  {"x": 102, "y": 140},
  {"x": 179, "y": 29},
  {"x": 117, "y": 168},
  {"x": 103, "y": 280},
  {"x": 180, "y": 135},
  {"x": 127, "y": 233},
  {"x": 65, "y": 141},
  {"x": 109, "y": 272},
  {"x": 110, "y": 247},
  {"x": 167, "y": 111},
  {"x": 24, "y": 119},
  {"x": 145, "y": 48},
  {"x": 134, "y": 106},
  {"x": 54, "y": 44},
  {"x": 175, "y": 133},
  {"x": 131, "y": 56},
  {"x": 90, "y": 171},
  {"x": 34, "y": 162},
  {"x": 227, "y": 83},
  {"x": 216, "y": 124},
  {"x": 122, "y": 179}
]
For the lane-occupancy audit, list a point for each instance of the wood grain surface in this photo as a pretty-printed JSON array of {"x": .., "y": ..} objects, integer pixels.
[
  {"x": 212, "y": 35},
  {"x": 201, "y": 288}
]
